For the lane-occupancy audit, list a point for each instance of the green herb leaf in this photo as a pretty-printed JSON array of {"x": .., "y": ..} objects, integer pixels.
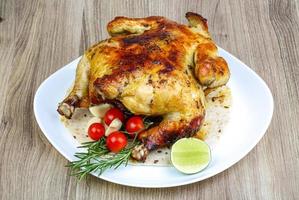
[{"x": 98, "y": 158}]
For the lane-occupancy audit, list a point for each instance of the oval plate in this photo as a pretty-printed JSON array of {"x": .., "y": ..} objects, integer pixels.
[{"x": 251, "y": 114}]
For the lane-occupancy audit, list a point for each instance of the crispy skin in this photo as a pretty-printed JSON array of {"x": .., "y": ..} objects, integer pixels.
[{"x": 154, "y": 67}]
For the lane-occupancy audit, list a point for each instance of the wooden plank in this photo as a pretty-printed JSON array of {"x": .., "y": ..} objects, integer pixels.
[{"x": 38, "y": 37}]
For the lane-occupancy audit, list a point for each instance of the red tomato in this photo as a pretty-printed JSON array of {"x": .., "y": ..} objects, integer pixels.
[
  {"x": 116, "y": 141},
  {"x": 96, "y": 131},
  {"x": 134, "y": 124},
  {"x": 112, "y": 114}
]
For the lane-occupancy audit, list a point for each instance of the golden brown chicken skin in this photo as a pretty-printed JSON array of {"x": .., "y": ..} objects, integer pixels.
[{"x": 154, "y": 67}]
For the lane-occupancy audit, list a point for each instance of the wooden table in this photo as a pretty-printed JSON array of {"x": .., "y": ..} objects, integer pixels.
[{"x": 38, "y": 37}]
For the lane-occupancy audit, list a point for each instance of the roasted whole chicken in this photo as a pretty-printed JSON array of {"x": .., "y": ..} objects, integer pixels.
[{"x": 154, "y": 67}]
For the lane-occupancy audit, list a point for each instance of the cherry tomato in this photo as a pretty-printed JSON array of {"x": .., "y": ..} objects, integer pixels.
[
  {"x": 112, "y": 114},
  {"x": 134, "y": 124},
  {"x": 116, "y": 141},
  {"x": 96, "y": 131}
]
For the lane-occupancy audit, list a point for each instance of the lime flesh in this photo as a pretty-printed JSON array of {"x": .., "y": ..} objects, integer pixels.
[{"x": 190, "y": 155}]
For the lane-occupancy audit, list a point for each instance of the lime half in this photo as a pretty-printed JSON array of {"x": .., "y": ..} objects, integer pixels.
[{"x": 190, "y": 155}]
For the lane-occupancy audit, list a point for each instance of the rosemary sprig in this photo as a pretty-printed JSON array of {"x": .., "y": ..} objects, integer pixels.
[{"x": 98, "y": 158}]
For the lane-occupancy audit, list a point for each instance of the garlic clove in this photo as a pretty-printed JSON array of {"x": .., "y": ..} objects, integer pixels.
[
  {"x": 115, "y": 125},
  {"x": 100, "y": 110}
]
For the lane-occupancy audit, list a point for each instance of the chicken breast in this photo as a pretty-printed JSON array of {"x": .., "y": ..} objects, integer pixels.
[{"x": 155, "y": 67}]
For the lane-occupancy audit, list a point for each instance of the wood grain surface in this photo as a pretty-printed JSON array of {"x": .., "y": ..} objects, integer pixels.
[{"x": 38, "y": 37}]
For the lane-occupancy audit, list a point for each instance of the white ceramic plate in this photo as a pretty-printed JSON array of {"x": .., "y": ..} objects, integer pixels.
[{"x": 251, "y": 114}]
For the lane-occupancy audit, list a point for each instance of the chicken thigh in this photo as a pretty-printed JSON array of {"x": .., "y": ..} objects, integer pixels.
[{"x": 154, "y": 67}]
